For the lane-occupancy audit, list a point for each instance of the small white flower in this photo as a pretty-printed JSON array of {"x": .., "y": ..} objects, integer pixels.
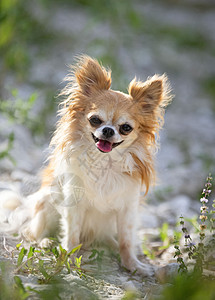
[
  {"x": 203, "y": 208},
  {"x": 204, "y": 200}
]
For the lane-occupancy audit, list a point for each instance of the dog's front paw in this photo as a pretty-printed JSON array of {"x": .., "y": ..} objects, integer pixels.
[
  {"x": 137, "y": 267},
  {"x": 46, "y": 243},
  {"x": 28, "y": 235},
  {"x": 145, "y": 269}
]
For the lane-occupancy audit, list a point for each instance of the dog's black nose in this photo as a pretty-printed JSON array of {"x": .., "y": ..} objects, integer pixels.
[{"x": 108, "y": 132}]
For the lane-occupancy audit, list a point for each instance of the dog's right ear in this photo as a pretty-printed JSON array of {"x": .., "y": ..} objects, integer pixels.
[{"x": 91, "y": 76}]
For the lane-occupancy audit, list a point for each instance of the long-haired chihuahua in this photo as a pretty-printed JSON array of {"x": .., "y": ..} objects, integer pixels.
[{"x": 102, "y": 157}]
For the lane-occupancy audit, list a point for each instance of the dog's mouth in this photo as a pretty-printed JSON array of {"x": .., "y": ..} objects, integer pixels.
[{"x": 104, "y": 145}]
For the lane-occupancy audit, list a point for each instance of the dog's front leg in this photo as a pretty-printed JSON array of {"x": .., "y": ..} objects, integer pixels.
[
  {"x": 126, "y": 226},
  {"x": 71, "y": 227},
  {"x": 72, "y": 212}
]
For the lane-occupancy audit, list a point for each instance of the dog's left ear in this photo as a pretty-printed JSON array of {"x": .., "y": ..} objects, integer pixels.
[
  {"x": 91, "y": 76},
  {"x": 150, "y": 94}
]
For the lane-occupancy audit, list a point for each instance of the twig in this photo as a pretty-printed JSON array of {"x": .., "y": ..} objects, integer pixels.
[{"x": 4, "y": 244}]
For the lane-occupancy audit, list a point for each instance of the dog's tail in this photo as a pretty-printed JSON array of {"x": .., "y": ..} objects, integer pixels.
[
  {"x": 32, "y": 218},
  {"x": 12, "y": 212}
]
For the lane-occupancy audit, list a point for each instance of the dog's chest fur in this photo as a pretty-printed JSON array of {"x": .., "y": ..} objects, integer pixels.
[{"x": 97, "y": 180}]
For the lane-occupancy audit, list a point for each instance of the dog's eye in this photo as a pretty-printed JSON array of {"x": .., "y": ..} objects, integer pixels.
[
  {"x": 125, "y": 129},
  {"x": 95, "y": 121}
]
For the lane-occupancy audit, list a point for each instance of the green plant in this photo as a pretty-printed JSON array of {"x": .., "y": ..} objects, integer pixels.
[
  {"x": 11, "y": 290},
  {"x": 19, "y": 111},
  {"x": 150, "y": 253},
  {"x": 6, "y": 152},
  {"x": 164, "y": 236},
  {"x": 96, "y": 255},
  {"x": 18, "y": 30},
  {"x": 178, "y": 254},
  {"x": 189, "y": 287},
  {"x": 197, "y": 252},
  {"x": 46, "y": 264},
  {"x": 193, "y": 281}
]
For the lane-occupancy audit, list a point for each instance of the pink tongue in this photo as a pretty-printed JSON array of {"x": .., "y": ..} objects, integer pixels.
[{"x": 104, "y": 146}]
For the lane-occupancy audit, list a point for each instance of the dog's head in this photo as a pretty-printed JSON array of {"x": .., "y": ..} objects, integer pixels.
[
  {"x": 111, "y": 121},
  {"x": 108, "y": 119},
  {"x": 111, "y": 118}
]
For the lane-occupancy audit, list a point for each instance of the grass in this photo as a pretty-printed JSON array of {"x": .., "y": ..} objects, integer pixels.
[
  {"x": 54, "y": 274},
  {"x": 47, "y": 265}
]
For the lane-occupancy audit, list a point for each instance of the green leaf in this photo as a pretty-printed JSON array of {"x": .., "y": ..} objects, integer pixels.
[
  {"x": 18, "y": 282},
  {"x": 42, "y": 269},
  {"x": 18, "y": 245},
  {"x": 78, "y": 261},
  {"x": 164, "y": 232},
  {"x": 23, "y": 294},
  {"x": 32, "y": 99},
  {"x": 5, "y": 153},
  {"x": 14, "y": 93},
  {"x": 30, "y": 254},
  {"x": 76, "y": 249},
  {"x": 93, "y": 254},
  {"x": 67, "y": 264},
  {"x": 61, "y": 248},
  {"x": 22, "y": 253},
  {"x": 38, "y": 251},
  {"x": 55, "y": 252}
]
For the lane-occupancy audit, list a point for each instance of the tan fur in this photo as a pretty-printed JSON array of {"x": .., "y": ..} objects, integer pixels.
[
  {"x": 91, "y": 76},
  {"x": 48, "y": 175},
  {"x": 145, "y": 172}
]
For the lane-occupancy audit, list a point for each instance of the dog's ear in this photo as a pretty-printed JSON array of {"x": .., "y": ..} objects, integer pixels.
[
  {"x": 91, "y": 76},
  {"x": 150, "y": 94}
]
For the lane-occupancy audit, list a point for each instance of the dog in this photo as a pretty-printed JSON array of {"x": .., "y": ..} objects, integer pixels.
[{"x": 102, "y": 157}]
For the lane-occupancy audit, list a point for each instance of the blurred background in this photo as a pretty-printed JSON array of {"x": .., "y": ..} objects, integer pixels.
[{"x": 40, "y": 39}]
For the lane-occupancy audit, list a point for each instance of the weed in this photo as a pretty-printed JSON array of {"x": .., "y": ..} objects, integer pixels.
[
  {"x": 195, "y": 281},
  {"x": 189, "y": 287},
  {"x": 198, "y": 252},
  {"x": 164, "y": 236},
  {"x": 19, "y": 111},
  {"x": 46, "y": 264},
  {"x": 6, "y": 152},
  {"x": 11, "y": 290},
  {"x": 97, "y": 256},
  {"x": 150, "y": 253}
]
